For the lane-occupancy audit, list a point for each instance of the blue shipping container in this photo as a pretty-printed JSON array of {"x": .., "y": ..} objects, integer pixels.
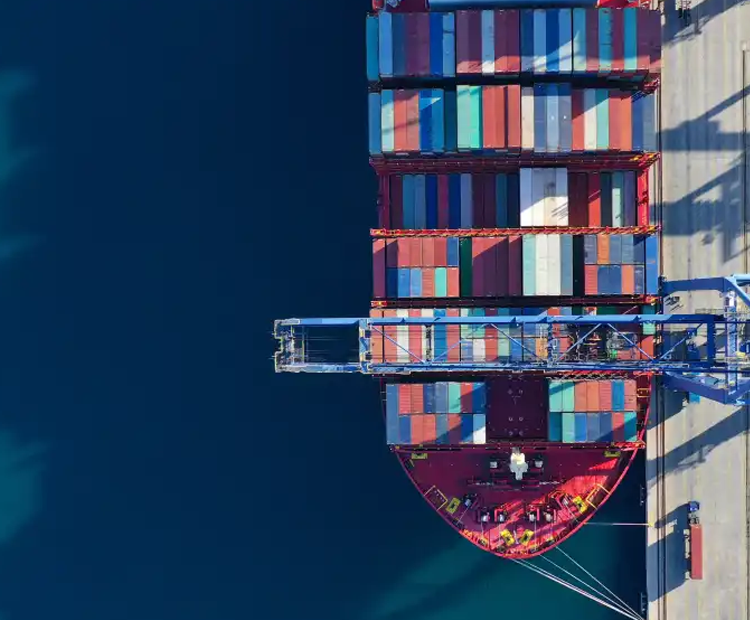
[
  {"x": 553, "y": 41},
  {"x": 429, "y": 398},
  {"x": 373, "y": 67},
  {"x": 441, "y": 397},
  {"x": 404, "y": 429},
  {"x": 652, "y": 265},
  {"x": 605, "y": 426},
  {"x": 385, "y": 44},
  {"x": 580, "y": 419},
  {"x": 479, "y": 397},
  {"x": 467, "y": 428},
  {"x": 399, "y": 44},
  {"x": 593, "y": 431},
  {"x": 618, "y": 395},
  {"x": 404, "y": 286},
  {"x": 566, "y": 261},
  {"x": 615, "y": 249},
  {"x": 392, "y": 426},
  {"x": 391, "y": 397},
  {"x": 579, "y": 40},
  {"x": 627, "y": 249},
  {"x": 540, "y": 117},
  {"x": 441, "y": 425},
  {"x": 589, "y": 249},
  {"x": 527, "y": 40},
  {"x": 373, "y": 119},
  {"x": 554, "y": 426}
]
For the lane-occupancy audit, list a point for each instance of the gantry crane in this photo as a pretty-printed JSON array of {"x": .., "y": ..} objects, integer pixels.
[{"x": 702, "y": 353}]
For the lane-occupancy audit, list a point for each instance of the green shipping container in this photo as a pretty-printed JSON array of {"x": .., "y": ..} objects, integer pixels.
[
  {"x": 441, "y": 282},
  {"x": 568, "y": 427},
  {"x": 649, "y": 329},
  {"x": 568, "y": 396},
  {"x": 555, "y": 395},
  {"x": 554, "y": 426},
  {"x": 503, "y": 344},
  {"x": 631, "y": 426},
  {"x": 602, "y": 119},
  {"x": 469, "y": 117},
  {"x": 466, "y": 272},
  {"x": 454, "y": 397},
  {"x": 529, "y": 265}
]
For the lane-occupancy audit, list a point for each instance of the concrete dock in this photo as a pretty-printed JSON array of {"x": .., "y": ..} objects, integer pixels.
[{"x": 700, "y": 451}]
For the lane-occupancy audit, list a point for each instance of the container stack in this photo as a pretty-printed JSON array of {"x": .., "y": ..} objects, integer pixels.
[
  {"x": 436, "y": 413},
  {"x": 513, "y": 149}
]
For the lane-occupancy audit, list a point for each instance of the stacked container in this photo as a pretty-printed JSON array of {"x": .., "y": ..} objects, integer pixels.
[
  {"x": 436, "y": 413},
  {"x": 592, "y": 411}
]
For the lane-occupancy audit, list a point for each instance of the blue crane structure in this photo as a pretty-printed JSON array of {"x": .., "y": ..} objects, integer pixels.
[{"x": 701, "y": 353}]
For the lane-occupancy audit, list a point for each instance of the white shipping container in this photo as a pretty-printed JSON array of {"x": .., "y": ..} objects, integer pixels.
[
  {"x": 554, "y": 277},
  {"x": 527, "y": 204},
  {"x": 488, "y": 42},
  {"x": 540, "y": 41},
  {"x": 566, "y": 42},
  {"x": 547, "y": 176},
  {"x": 402, "y": 338},
  {"x": 542, "y": 264},
  {"x": 480, "y": 351},
  {"x": 561, "y": 194},
  {"x": 527, "y": 118},
  {"x": 480, "y": 428},
  {"x": 466, "y": 202},
  {"x": 589, "y": 119},
  {"x": 537, "y": 197}
]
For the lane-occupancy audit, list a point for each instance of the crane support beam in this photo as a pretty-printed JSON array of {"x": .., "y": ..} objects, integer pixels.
[{"x": 722, "y": 284}]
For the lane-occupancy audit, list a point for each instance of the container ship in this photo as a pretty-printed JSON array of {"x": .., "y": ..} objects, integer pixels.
[{"x": 514, "y": 146}]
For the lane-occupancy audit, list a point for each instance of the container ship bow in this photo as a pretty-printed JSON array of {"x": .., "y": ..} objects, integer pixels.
[{"x": 515, "y": 258}]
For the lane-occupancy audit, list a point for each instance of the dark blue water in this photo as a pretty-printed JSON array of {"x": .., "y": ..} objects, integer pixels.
[{"x": 174, "y": 176}]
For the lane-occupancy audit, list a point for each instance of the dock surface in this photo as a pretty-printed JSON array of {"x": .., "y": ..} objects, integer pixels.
[{"x": 699, "y": 451}]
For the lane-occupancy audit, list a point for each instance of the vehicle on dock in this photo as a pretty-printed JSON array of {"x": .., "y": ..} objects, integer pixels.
[{"x": 694, "y": 541}]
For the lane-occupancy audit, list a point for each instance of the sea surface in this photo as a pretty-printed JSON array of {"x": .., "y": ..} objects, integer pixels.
[{"x": 174, "y": 176}]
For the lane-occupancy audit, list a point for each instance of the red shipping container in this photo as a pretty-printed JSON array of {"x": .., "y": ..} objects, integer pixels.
[
  {"x": 490, "y": 117},
  {"x": 628, "y": 279},
  {"x": 415, "y": 347},
  {"x": 411, "y": 43},
  {"x": 647, "y": 344},
  {"x": 417, "y": 429},
  {"x": 378, "y": 268},
  {"x": 397, "y": 201},
  {"x": 618, "y": 426},
  {"x": 468, "y": 42},
  {"x": 477, "y": 201},
  {"x": 428, "y": 282},
  {"x": 384, "y": 212},
  {"x": 404, "y": 398},
  {"x": 462, "y": 42},
  {"x": 501, "y": 110},
  {"x": 412, "y": 119},
  {"x": 488, "y": 185},
  {"x": 602, "y": 250},
  {"x": 453, "y": 333},
  {"x": 577, "y": 120},
  {"x": 475, "y": 41},
  {"x": 594, "y": 199},
  {"x": 615, "y": 120},
  {"x": 513, "y": 108},
  {"x": 515, "y": 264},
  {"x": 478, "y": 245},
  {"x": 605, "y": 395},
  {"x": 391, "y": 252},
  {"x": 626, "y": 122},
  {"x": 402, "y": 252},
  {"x": 428, "y": 251},
  {"x": 501, "y": 267},
  {"x": 631, "y": 396},
  {"x": 643, "y": 51},
  {"x": 577, "y": 199},
  {"x": 501, "y": 42},
  {"x": 415, "y": 251},
  {"x": 400, "y": 114},
  {"x": 376, "y": 339},
  {"x": 592, "y": 395},
  {"x": 443, "y": 201},
  {"x": 592, "y": 37},
  {"x": 642, "y": 190},
  {"x": 513, "y": 43},
  {"x": 441, "y": 251},
  {"x": 467, "y": 398},
  {"x": 590, "y": 279},
  {"x": 618, "y": 41},
  {"x": 654, "y": 30},
  {"x": 489, "y": 262},
  {"x": 429, "y": 429},
  {"x": 423, "y": 43},
  {"x": 417, "y": 397},
  {"x": 490, "y": 339},
  {"x": 579, "y": 394},
  {"x": 390, "y": 350},
  {"x": 454, "y": 288},
  {"x": 454, "y": 428}
]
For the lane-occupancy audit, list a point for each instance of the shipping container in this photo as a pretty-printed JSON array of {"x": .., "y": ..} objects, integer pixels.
[{"x": 554, "y": 426}]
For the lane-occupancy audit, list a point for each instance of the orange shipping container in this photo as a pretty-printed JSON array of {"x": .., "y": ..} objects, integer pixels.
[{"x": 592, "y": 396}]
